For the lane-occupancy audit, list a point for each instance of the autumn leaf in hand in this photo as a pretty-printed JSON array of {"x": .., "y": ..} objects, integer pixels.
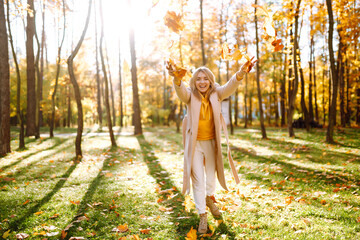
[
  {"x": 174, "y": 21},
  {"x": 179, "y": 72}
]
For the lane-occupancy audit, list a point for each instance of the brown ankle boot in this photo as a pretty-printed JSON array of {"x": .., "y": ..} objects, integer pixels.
[
  {"x": 210, "y": 203},
  {"x": 203, "y": 223}
]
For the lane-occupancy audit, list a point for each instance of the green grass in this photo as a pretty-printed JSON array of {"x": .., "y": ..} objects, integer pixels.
[{"x": 290, "y": 188}]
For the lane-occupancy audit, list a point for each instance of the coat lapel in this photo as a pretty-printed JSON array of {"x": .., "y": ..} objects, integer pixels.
[{"x": 195, "y": 110}]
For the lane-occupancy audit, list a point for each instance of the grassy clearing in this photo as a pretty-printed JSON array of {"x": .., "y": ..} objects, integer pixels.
[{"x": 291, "y": 188}]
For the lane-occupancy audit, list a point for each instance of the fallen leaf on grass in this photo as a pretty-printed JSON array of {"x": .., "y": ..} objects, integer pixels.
[
  {"x": 22, "y": 236},
  {"x": 288, "y": 200},
  {"x": 6, "y": 234},
  {"x": 63, "y": 234},
  {"x": 145, "y": 231},
  {"x": 75, "y": 202},
  {"x": 38, "y": 213},
  {"x": 42, "y": 233},
  {"x": 121, "y": 228},
  {"x": 27, "y": 201},
  {"x": 191, "y": 235},
  {"x": 218, "y": 222},
  {"x": 54, "y": 216},
  {"x": 76, "y": 238}
]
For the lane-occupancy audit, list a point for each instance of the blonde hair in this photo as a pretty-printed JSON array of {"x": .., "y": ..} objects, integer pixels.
[{"x": 209, "y": 75}]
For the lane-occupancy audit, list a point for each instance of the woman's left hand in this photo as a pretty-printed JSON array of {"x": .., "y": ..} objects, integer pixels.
[{"x": 246, "y": 67}]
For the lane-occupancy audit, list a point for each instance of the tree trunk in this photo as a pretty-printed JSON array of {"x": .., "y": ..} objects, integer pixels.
[
  {"x": 136, "y": 101},
  {"x": 37, "y": 79},
  {"x": 323, "y": 99},
  {"x": 58, "y": 64},
  {"x": 69, "y": 108},
  {"x": 358, "y": 104},
  {"x": 121, "y": 91},
  {"x": 334, "y": 76},
  {"x": 5, "y": 86},
  {"x": 111, "y": 88},
  {"x": 202, "y": 33},
  {"x": 19, "y": 112},
  {"x": 236, "y": 108},
  {"x": 303, "y": 104},
  {"x": 340, "y": 71},
  {"x": 245, "y": 102},
  {"x": 348, "y": 100},
  {"x": 250, "y": 104},
  {"x": 263, "y": 131},
  {"x": 315, "y": 88},
  {"x": 70, "y": 62},
  {"x": 230, "y": 108},
  {"x": 311, "y": 65},
  {"x": 98, "y": 81},
  {"x": 30, "y": 72},
  {"x": 276, "y": 104},
  {"x": 293, "y": 92},
  {"x": 107, "y": 104},
  {"x": 41, "y": 79},
  {"x": 283, "y": 92}
]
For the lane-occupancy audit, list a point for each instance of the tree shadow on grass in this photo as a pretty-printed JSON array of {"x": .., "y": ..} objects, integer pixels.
[
  {"x": 288, "y": 169},
  {"x": 20, "y": 159},
  {"x": 84, "y": 204},
  {"x": 163, "y": 179},
  {"x": 26, "y": 170},
  {"x": 15, "y": 225}
]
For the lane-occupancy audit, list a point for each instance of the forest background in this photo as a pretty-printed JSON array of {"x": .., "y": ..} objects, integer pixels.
[{"x": 119, "y": 75}]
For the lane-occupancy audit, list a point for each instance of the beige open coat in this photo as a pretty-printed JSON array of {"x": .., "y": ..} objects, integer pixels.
[{"x": 191, "y": 123}]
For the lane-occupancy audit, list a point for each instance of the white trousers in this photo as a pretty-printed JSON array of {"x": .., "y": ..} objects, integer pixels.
[{"x": 204, "y": 155}]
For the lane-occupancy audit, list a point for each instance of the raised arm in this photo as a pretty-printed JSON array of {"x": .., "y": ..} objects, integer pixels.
[
  {"x": 181, "y": 91},
  {"x": 230, "y": 87}
]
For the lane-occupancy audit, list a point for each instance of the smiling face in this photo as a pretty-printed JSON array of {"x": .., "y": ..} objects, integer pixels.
[{"x": 202, "y": 83}]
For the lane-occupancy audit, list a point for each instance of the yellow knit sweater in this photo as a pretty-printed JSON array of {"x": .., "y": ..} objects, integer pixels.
[{"x": 206, "y": 130}]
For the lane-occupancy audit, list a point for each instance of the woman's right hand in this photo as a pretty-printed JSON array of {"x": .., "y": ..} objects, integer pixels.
[{"x": 171, "y": 71}]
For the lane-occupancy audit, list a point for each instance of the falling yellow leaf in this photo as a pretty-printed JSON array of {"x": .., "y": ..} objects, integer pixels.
[
  {"x": 233, "y": 54},
  {"x": 174, "y": 21},
  {"x": 38, "y": 213},
  {"x": 189, "y": 204},
  {"x": 191, "y": 235}
]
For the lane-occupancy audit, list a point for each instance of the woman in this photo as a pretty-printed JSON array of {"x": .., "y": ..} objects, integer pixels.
[{"x": 201, "y": 135}]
